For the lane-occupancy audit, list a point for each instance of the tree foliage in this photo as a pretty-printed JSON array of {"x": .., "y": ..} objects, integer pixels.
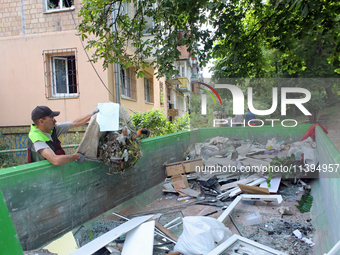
[{"x": 237, "y": 33}]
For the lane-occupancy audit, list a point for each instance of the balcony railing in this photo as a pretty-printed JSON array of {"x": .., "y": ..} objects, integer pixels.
[{"x": 185, "y": 86}]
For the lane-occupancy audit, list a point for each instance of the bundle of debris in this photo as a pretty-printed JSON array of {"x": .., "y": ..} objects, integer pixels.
[{"x": 119, "y": 150}]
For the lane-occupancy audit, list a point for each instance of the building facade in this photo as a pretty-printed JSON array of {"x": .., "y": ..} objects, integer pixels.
[{"x": 43, "y": 62}]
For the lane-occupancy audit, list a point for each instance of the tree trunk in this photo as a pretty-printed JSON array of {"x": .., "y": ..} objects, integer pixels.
[{"x": 329, "y": 93}]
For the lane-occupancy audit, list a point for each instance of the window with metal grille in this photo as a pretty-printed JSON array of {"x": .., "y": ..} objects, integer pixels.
[
  {"x": 128, "y": 83},
  {"x": 148, "y": 90},
  {"x": 61, "y": 73}
]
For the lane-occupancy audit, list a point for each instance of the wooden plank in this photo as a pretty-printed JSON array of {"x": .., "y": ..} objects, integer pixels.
[
  {"x": 252, "y": 190},
  {"x": 234, "y": 184},
  {"x": 140, "y": 240},
  {"x": 254, "y": 183},
  {"x": 166, "y": 231},
  {"x": 108, "y": 237}
]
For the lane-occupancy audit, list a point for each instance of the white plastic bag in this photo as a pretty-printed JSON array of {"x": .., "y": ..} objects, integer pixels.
[
  {"x": 272, "y": 144},
  {"x": 310, "y": 156},
  {"x": 201, "y": 235}
]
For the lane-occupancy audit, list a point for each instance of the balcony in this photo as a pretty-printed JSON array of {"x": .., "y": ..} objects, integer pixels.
[{"x": 185, "y": 85}]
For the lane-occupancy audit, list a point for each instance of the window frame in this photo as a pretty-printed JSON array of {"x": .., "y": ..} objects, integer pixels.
[
  {"x": 128, "y": 86},
  {"x": 71, "y": 69},
  {"x": 47, "y": 9},
  {"x": 148, "y": 91}
]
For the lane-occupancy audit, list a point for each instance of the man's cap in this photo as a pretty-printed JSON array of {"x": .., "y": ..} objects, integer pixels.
[{"x": 43, "y": 111}]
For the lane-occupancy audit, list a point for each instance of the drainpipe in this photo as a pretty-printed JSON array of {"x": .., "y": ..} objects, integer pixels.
[{"x": 117, "y": 78}]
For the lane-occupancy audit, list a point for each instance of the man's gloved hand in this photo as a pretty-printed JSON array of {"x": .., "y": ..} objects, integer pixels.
[
  {"x": 143, "y": 131},
  {"x": 95, "y": 111},
  {"x": 81, "y": 158}
]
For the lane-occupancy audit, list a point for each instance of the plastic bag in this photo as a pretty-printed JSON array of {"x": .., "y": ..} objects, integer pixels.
[
  {"x": 201, "y": 235},
  {"x": 310, "y": 156},
  {"x": 272, "y": 144}
]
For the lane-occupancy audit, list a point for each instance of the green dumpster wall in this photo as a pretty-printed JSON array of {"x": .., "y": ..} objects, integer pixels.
[
  {"x": 46, "y": 201},
  {"x": 326, "y": 206}
]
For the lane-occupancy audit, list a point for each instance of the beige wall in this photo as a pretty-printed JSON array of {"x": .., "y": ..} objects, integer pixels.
[{"x": 22, "y": 84}]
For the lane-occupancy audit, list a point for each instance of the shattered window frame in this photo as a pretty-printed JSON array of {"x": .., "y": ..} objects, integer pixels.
[
  {"x": 54, "y": 60},
  {"x": 236, "y": 238}
]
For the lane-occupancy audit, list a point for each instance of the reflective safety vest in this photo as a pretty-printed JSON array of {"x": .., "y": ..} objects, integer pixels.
[{"x": 36, "y": 135}]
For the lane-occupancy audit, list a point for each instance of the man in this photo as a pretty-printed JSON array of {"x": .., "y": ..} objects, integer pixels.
[
  {"x": 250, "y": 116},
  {"x": 43, "y": 142},
  {"x": 238, "y": 120}
]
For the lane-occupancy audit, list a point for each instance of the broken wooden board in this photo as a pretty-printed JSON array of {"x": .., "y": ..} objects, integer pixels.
[
  {"x": 166, "y": 231},
  {"x": 234, "y": 184},
  {"x": 140, "y": 240},
  {"x": 253, "y": 189},
  {"x": 254, "y": 183},
  {"x": 108, "y": 237}
]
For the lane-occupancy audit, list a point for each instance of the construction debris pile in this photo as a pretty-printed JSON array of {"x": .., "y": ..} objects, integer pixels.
[{"x": 258, "y": 202}]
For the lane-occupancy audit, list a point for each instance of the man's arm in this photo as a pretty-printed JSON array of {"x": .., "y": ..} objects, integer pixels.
[
  {"x": 58, "y": 160},
  {"x": 80, "y": 121}
]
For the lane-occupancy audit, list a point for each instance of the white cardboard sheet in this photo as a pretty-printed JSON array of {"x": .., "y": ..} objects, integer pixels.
[{"x": 108, "y": 116}]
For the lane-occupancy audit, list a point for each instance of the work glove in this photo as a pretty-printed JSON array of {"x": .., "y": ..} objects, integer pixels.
[
  {"x": 95, "y": 111},
  {"x": 81, "y": 158},
  {"x": 144, "y": 131}
]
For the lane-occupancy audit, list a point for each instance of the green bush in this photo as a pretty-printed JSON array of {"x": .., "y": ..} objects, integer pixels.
[{"x": 158, "y": 125}]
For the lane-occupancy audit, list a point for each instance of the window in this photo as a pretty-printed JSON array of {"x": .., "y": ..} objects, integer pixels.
[
  {"x": 161, "y": 94},
  {"x": 148, "y": 90},
  {"x": 55, "y": 5},
  {"x": 61, "y": 73},
  {"x": 128, "y": 83}
]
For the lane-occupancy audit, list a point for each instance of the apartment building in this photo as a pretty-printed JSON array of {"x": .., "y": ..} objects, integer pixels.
[{"x": 43, "y": 62}]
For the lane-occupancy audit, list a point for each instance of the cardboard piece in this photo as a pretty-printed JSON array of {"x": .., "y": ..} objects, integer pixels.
[
  {"x": 190, "y": 192},
  {"x": 182, "y": 167},
  {"x": 173, "y": 112},
  {"x": 179, "y": 182},
  {"x": 252, "y": 189}
]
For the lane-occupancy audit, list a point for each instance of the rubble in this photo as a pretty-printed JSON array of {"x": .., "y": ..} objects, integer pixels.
[{"x": 213, "y": 176}]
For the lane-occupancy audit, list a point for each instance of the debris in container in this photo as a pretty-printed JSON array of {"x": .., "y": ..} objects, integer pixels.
[
  {"x": 201, "y": 235},
  {"x": 39, "y": 252},
  {"x": 253, "y": 219},
  {"x": 285, "y": 210},
  {"x": 99, "y": 228}
]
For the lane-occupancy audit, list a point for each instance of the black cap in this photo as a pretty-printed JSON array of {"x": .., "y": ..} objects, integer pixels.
[{"x": 43, "y": 111}]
